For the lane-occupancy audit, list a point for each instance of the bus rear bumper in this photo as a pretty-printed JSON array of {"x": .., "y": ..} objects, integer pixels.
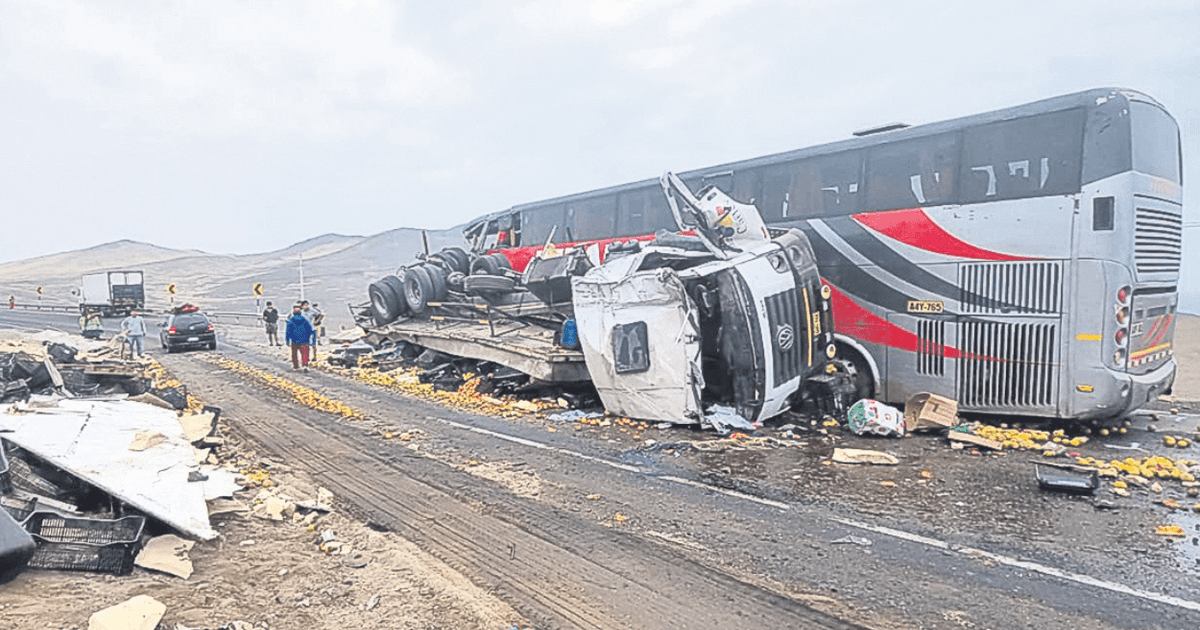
[{"x": 1145, "y": 389}]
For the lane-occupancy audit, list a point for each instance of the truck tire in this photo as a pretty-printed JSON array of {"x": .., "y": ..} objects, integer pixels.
[
  {"x": 384, "y": 304},
  {"x": 396, "y": 284},
  {"x": 462, "y": 262},
  {"x": 418, "y": 289},
  {"x": 481, "y": 284},
  {"x": 440, "y": 287},
  {"x": 491, "y": 264}
]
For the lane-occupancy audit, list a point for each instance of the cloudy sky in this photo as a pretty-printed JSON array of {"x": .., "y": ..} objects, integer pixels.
[{"x": 243, "y": 126}]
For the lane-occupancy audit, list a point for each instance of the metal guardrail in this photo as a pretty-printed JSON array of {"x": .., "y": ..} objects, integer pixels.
[{"x": 44, "y": 307}]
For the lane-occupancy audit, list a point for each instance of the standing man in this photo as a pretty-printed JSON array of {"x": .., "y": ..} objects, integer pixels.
[
  {"x": 134, "y": 328},
  {"x": 91, "y": 326},
  {"x": 318, "y": 322},
  {"x": 299, "y": 333},
  {"x": 271, "y": 317}
]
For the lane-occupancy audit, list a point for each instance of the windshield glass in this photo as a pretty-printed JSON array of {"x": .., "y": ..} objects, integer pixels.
[
  {"x": 1155, "y": 141},
  {"x": 187, "y": 319}
]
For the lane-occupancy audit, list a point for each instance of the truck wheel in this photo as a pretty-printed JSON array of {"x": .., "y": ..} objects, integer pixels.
[
  {"x": 418, "y": 289},
  {"x": 483, "y": 284},
  {"x": 461, "y": 261},
  {"x": 485, "y": 266},
  {"x": 438, "y": 276},
  {"x": 385, "y": 304}
]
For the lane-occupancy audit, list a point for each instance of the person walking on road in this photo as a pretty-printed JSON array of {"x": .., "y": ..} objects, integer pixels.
[
  {"x": 299, "y": 333},
  {"x": 271, "y": 317},
  {"x": 134, "y": 328},
  {"x": 318, "y": 322}
]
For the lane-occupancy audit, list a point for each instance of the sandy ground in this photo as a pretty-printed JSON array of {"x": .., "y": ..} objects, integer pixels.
[
  {"x": 273, "y": 575},
  {"x": 1187, "y": 353}
]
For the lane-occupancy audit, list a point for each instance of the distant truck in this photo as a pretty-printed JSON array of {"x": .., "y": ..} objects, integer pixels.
[{"x": 112, "y": 292}]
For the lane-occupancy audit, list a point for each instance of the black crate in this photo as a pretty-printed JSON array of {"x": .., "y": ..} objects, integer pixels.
[
  {"x": 56, "y": 528},
  {"x": 116, "y": 559}
]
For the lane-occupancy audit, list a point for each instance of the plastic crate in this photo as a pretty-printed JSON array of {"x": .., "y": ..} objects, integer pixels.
[
  {"x": 116, "y": 559},
  {"x": 56, "y": 528},
  {"x": 85, "y": 544},
  {"x": 19, "y": 509}
]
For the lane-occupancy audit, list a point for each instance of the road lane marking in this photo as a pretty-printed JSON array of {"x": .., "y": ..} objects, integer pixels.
[
  {"x": 1036, "y": 567},
  {"x": 608, "y": 462}
]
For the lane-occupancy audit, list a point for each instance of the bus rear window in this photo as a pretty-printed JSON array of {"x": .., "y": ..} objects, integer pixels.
[{"x": 1155, "y": 141}]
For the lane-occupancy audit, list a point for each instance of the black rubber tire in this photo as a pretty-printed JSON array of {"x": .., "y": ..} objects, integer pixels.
[
  {"x": 501, "y": 260},
  {"x": 396, "y": 284},
  {"x": 864, "y": 383},
  {"x": 418, "y": 289},
  {"x": 384, "y": 304},
  {"x": 461, "y": 261},
  {"x": 438, "y": 275},
  {"x": 481, "y": 284},
  {"x": 212, "y": 345},
  {"x": 485, "y": 265}
]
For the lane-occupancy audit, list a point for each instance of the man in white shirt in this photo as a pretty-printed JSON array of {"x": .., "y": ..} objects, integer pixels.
[{"x": 134, "y": 328}]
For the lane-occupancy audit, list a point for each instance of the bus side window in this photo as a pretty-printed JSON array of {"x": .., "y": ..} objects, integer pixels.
[
  {"x": 1102, "y": 214},
  {"x": 1026, "y": 157},
  {"x": 592, "y": 218},
  {"x": 826, "y": 186},
  {"x": 643, "y": 212},
  {"x": 537, "y": 223},
  {"x": 908, "y": 173}
]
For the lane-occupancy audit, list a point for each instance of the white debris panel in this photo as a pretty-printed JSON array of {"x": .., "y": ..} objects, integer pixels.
[
  {"x": 641, "y": 341},
  {"x": 91, "y": 439}
]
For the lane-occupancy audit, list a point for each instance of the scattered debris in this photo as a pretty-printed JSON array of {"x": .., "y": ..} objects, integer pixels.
[
  {"x": 927, "y": 411},
  {"x": 861, "y": 456},
  {"x": 16, "y": 547},
  {"x": 1174, "y": 531},
  {"x": 854, "y": 540},
  {"x": 1068, "y": 479},
  {"x": 965, "y": 437},
  {"x": 140, "y": 613},
  {"x": 871, "y": 416},
  {"x": 167, "y": 554}
]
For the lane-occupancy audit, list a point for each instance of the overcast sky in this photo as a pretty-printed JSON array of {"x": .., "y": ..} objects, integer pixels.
[{"x": 243, "y": 126}]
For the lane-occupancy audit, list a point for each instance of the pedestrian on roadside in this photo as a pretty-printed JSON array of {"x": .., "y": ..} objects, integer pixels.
[
  {"x": 318, "y": 321},
  {"x": 299, "y": 332},
  {"x": 91, "y": 326},
  {"x": 271, "y": 317},
  {"x": 134, "y": 328}
]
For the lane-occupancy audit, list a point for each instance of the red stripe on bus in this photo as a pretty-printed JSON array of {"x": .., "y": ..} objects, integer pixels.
[
  {"x": 913, "y": 226},
  {"x": 852, "y": 319},
  {"x": 1162, "y": 332}
]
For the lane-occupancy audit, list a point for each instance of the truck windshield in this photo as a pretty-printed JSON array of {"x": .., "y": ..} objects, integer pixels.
[{"x": 1155, "y": 141}]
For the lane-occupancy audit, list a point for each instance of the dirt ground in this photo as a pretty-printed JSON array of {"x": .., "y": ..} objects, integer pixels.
[{"x": 273, "y": 575}]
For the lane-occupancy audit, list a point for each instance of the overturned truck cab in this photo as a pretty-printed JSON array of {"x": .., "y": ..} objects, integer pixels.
[{"x": 732, "y": 315}]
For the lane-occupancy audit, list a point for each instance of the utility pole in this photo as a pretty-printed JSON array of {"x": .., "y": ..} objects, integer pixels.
[{"x": 301, "y": 277}]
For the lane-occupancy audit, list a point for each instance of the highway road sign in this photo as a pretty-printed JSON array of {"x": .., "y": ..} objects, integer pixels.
[
  {"x": 171, "y": 289},
  {"x": 258, "y": 288}
]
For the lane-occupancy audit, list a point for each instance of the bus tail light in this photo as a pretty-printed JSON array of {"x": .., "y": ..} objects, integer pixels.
[
  {"x": 1123, "y": 295},
  {"x": 1120, "y": 336},
  {"x": 1122, "y": 314},
  {"x": 1119, "y": 356}
]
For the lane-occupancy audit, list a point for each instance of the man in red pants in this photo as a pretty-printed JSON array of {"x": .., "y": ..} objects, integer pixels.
[{"x": 299, "y": 333}]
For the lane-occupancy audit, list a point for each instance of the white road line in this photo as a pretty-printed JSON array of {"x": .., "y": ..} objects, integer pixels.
[
  {"x": 608, "y": 462},
  {"x": 1036, "y": 567}
]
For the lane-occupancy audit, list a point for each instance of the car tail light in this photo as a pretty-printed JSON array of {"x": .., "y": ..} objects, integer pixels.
[
  {"x": 210, "y": 328},
  {"x": 171, "y": 330}
]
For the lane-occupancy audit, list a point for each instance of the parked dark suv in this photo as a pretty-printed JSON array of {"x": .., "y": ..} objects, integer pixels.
[{"x": 187, "y": 329}]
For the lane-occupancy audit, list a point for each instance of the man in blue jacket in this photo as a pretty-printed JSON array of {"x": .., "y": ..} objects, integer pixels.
[{"x": 299, "y": 333}]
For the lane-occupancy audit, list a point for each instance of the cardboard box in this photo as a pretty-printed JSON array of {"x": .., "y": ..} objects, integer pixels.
[{"x": 926, "y": 411}]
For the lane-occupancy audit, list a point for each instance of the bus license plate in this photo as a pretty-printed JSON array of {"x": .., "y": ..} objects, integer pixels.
[{"x": 925, "y": 306}]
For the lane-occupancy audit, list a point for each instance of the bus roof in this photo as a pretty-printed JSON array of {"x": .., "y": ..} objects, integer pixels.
[{"x": 1066, "y": 101}]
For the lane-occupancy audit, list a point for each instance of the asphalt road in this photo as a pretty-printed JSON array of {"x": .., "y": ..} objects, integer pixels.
[{"x": 714, "y": 539}]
